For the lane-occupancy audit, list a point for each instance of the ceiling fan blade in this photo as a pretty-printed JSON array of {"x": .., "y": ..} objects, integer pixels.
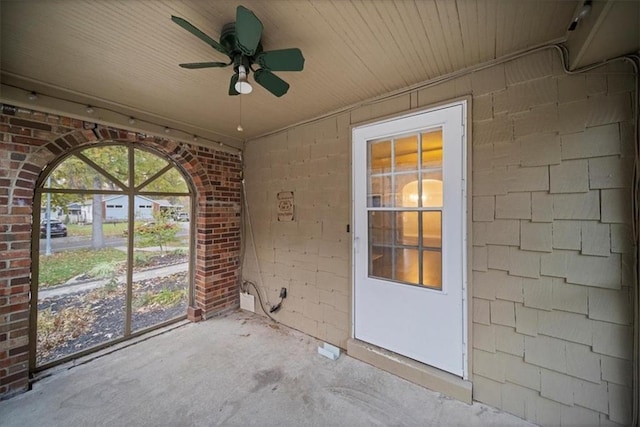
[
  {"x": 248, "y": 31},
  {"x": 281, "y": 60},
  {"x": 232, "y": 85},
  {"x": 199, "y": 34},
  {"x": 271, "y": 82},
  {"x": 194, "y": 65}
]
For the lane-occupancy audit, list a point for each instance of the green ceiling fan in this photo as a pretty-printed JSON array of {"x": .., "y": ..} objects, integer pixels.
[{"x": 240, "y": 41}]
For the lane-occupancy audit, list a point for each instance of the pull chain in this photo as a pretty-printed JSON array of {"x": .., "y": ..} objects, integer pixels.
[{"x": 240, "y": 129}]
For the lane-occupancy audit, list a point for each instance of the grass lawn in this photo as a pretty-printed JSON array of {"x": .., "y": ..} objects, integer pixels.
[
  {"x": 109, "y": 229},
  {"x": 60, "y": 267}
]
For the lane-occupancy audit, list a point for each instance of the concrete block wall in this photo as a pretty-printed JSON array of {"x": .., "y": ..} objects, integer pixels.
[
  {"x": 29, "y": 141},
  {"x": 552, "y": 256}
]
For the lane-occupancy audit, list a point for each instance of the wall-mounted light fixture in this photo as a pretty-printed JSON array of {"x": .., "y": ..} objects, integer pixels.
[
  {"x": 90, "y": 109},
  {"x": 167, "y": 130},
  {"x": 132, "y": 121},
  {"x": 32, "y": 96},
  {"x": 582, "y": 13}
]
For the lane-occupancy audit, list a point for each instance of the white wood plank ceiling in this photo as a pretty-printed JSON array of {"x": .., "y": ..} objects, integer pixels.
[{"x": 126, "y": 53}]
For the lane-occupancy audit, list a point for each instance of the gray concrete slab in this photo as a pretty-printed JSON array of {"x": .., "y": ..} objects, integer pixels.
[{"x": 237, "y": 370}]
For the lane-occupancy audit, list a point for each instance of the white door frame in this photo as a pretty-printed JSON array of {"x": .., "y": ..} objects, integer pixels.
[{"x": 356, "y": 246}]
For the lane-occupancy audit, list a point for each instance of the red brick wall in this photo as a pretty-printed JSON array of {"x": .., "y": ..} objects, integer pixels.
[{"x": 29, "y": 141}]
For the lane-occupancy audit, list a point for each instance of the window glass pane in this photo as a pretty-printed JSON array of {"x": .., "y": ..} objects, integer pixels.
[
  {"x": 379, "y": 192},
  {"x": 75, "y": 174},
  {"x": 432, "y": 269},
  {"x": 406, "y": 153},
  {"x": 114, "y": 159},
  {"x": 407, "y": 267},
  {"x": 81, "y": 290},
  {"x": 432, "y": 149},
  {"x": 432, "y": 229},
  {"x": 381, "y": 228},
  {"x": 379, "y": 157},
  {"x": 406, "y": 190},
  {"x": 407, "y": 228},
  {"x": 169, "y": 182},
  {"x": 431, "y": 193},
  {"x": 147, "y": 164}
]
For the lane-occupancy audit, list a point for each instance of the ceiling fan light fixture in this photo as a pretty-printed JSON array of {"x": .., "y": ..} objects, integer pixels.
[{"x": 242, "y": 85}]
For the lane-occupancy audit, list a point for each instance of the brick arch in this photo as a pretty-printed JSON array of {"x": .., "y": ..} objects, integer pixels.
[{"x": 33, "y": 142}]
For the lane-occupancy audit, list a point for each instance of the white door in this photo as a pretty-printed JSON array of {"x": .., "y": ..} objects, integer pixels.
[{"x": 409, "y": 230}]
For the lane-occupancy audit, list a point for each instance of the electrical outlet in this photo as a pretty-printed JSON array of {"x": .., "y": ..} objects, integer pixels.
[{"x": 283, "y": 293}]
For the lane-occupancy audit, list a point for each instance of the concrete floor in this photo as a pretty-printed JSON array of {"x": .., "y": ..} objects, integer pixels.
[{"x": 236, "y": 370}]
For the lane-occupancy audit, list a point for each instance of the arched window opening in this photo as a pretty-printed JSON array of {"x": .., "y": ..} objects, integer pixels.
[{"x": 113, "y": 244}]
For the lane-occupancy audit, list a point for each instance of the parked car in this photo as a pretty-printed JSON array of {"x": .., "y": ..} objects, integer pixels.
[
  {"x": 182, "y": 216},
  {"x": 57, "y": 228}
]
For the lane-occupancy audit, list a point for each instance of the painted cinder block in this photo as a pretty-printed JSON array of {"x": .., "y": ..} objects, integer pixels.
[
  {"x": 521, "y": 373},
  {"x": 482, "y": 157},
  {"x": 540, "y": 149},
  {"x": 525, "y": 95},
  {"x": 508, "y": 341},
  {"x": 524, "y": 263},
  {"x": 537, "y": 120},
  {"x": 513, "y": 206},
  {"x": 530, "y": 67},
  {"x": 508, "y": 287},
  {"x": 517, "y": 400},
  {"x": 484, "y": 284},
  {"x": 577, "y": 206},
  {"x": 568, "y": 297},
  {"x": 556, "y": 386},
  {"x": 534, "y": 178},
  {"x": 612, "y": 340},
  {"x": 620, "y": 404},
  {"x": 526, "y": 320},
  {"x": 498, "y": 257},
  {"x": 571, "y": 176},
  {"x": 577, "y": 416},
  {"x": 488, "y": 80},
  {"x": 602, "y": 272},
  {"x": 487, "y": 391},
  {"x": 503, "y": 313},
  {"x": 483, "y": 107},
  {"x": 612, "y": 108},
  {"x": 615, "y": 370},
  {"x": 566, "y": 235},
  {"x": 567, "y": 326},
  {"x": 484, "y": 338},
  {"x": 621, "y": 238},
  {"x": 592, "y": 396},
  {"x": 583, "y": 363},
  {"x": 506, "y": 154},
  {"x": 481, "y": 311},
  {"x": 546, "y": 352},
  {"x": 595, "y": 238},
  {"x": 541, "y": 207},
  {"x": 535, "y": 236},
  {"x": 547, "y": 412},
  {"x": 595, "y": 141},
  {"x": 573, "y": 116},
  {"x": 489, "y": 365},
  {"x": 489, "y": 182},
  {"x": 503, "y": 232},
  {"x": 483, "y": 208},
  {"x": 538, "y": 293},
  {"x": 610, "y": 172},
  {"x": 616, "y": 205},
  {"x": 610, "y": 305},
  {"x": 479, "y": 258}
]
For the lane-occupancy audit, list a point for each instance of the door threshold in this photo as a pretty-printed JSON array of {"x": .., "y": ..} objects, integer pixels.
[{"x": 411, "y": 370}]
